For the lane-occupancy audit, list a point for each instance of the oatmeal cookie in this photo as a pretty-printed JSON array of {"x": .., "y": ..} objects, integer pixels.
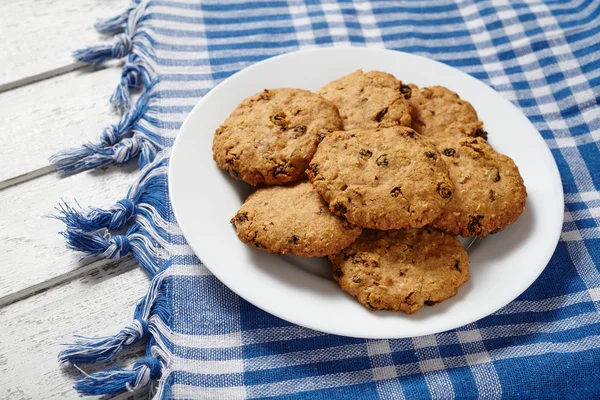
[
  {"x": 439, "y": 113},
  {"x": 271, "y": 136},
  {"x": 292, "y": 219},
  {"x": 401, "y": 270},
  {"x": 370, "y": 100},
  {"x": 489, "y": 193},
  {"x": 387, "y": 178}
]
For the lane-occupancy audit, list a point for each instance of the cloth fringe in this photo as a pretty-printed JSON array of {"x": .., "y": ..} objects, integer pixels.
[
  {"x": 116, "y": 24},
  {"x": 143, "y": 197},
  {"x": 117, "y": 380},
  {"x": 135, "y": 74},
  {"x": 135, "y": 134},
  {"x": 125, "y": 42},
  {"x": 151, "y": 367},
  {"x": 86, "y": 349},
  {"x": 143, "y": 211},
  {"x": 145, "y": 243},
  {"x": 114, "y": 146}
]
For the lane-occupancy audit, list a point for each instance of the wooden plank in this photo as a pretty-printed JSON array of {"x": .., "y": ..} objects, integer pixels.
[
  {"x": 45, "y": 117},
  {"x": 99, "y": 303},
  {"x": 38, "y": 37},
  {"x": 32, "y": 249}
]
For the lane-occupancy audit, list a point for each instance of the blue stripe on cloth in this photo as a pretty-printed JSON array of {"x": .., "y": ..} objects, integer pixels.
[
  {"x": 299, "y": 344},
  {"x": 463, "y": 382},
  {"x": 541, "y": 55},
  {"x": 527, "y": 381},
  {"x": 363, "y": 391},
  {"x": 306, "y": 370},
  {"x": 195, "y": 317}
]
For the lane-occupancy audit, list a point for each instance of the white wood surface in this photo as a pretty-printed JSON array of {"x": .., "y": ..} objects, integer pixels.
[
  {"x": 49, "y": 102},
  {"x": 30, "y": 240},
  {"x": 34, "y": 328},
  {"x": 38, "y": 37},
  {"x": 44, "y": 117}
]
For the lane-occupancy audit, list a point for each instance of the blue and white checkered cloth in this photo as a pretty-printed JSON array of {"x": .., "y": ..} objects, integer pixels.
[{"x": 205, "y": 342}]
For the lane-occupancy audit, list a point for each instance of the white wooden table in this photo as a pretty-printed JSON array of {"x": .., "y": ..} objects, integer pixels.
[{"x": 47, "y": 103}]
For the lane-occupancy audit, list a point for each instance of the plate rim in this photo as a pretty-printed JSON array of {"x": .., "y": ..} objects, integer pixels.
[{"x": 555, "y": 172}]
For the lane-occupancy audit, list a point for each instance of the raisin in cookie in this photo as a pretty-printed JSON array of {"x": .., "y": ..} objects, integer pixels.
[
  {"x": 489, "y": 193},
  {"x": 271, "y": 136},
  {"x": 369, "y": 100},
  {"x": 387, "y": 178},
  {"x": 438, "y": 112},
  {"x": 401, "y": 270},
  {"x": 292, "y": 219}
]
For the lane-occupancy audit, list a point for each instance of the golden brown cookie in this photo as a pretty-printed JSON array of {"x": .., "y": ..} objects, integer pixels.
[
  {"x": 292, "y": 219},
  {"x": 369, "y": 100},
  {"x": 489, "y": 193},
  {"x": 271, "y": 136},
  {"x": 401, "y": 270},
  {"x": 438, "y": 112},
  {"x": 387, "y": 178}
]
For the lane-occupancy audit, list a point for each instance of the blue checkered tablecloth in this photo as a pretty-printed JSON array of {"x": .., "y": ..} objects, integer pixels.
[{"x": 205, "y": 342}]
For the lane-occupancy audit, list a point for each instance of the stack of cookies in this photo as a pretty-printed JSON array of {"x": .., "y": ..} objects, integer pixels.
[{"x": 379, "y": 176}]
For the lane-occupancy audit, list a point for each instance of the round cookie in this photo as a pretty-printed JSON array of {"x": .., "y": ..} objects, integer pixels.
[
  {"x": 369, "y": 100},
  {"x": 401, "y": 270},
  {"x": 438, "y": 112},
  {"x": 292, "y": 219},
  {"x": 271, "y": 136},
  {"x": 489, "y": 193},
  {"x": 387, "y": 178}
]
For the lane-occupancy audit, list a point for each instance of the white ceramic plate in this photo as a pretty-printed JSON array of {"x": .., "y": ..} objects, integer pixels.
[{"x": 301, "y": 290}]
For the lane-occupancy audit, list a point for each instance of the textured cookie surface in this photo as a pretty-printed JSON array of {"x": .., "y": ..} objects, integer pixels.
[
  {"x": 292, "y": 219},
  {"x": 438, "y": 112},
  {"x": 369, "y": 100},
  {"x": 401, "y": 270},
  {"x": 489, "y": 193},
  {"x": 388, "y": 178},
  {"x": 271, "y": 136}
]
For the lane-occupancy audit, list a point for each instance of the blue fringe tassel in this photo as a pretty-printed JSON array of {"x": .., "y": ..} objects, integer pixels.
[
  {"x": 144, "y": 239},
  {"x": 139, "y": 239},
  {"x": 117, "y": 380},
  {"x": 133, "y": 75},
  {"x": 165, "y": 388},
  {"x": 113, "y": 148},
  {"x": 123, "y": 46},
  {"x": 87, "y": 349},
  {"x": 147, "y": 192},
  {"x": 148, "y": 152},
  {"x": 115, "y": 218},
  {"x": 116, "y": 24},
  {"x": 145, "y": 203},
  {"x": 96, "y": 55},
  {"x": 106, "y": 245}
]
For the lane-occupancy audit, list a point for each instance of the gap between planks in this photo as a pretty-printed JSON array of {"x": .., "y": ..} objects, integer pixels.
[
  {"x": 92, "y": 263},
  {"x": 82, "y": 114},
  {"x": 100, "y": 303},
  {"x": 48, "y": 116},
  {"x": 28, "y": 80},
  {"x": 37, "y": 38},
  {"x": 36, "y": 256},
  {"x": 37, "y": 173}
]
